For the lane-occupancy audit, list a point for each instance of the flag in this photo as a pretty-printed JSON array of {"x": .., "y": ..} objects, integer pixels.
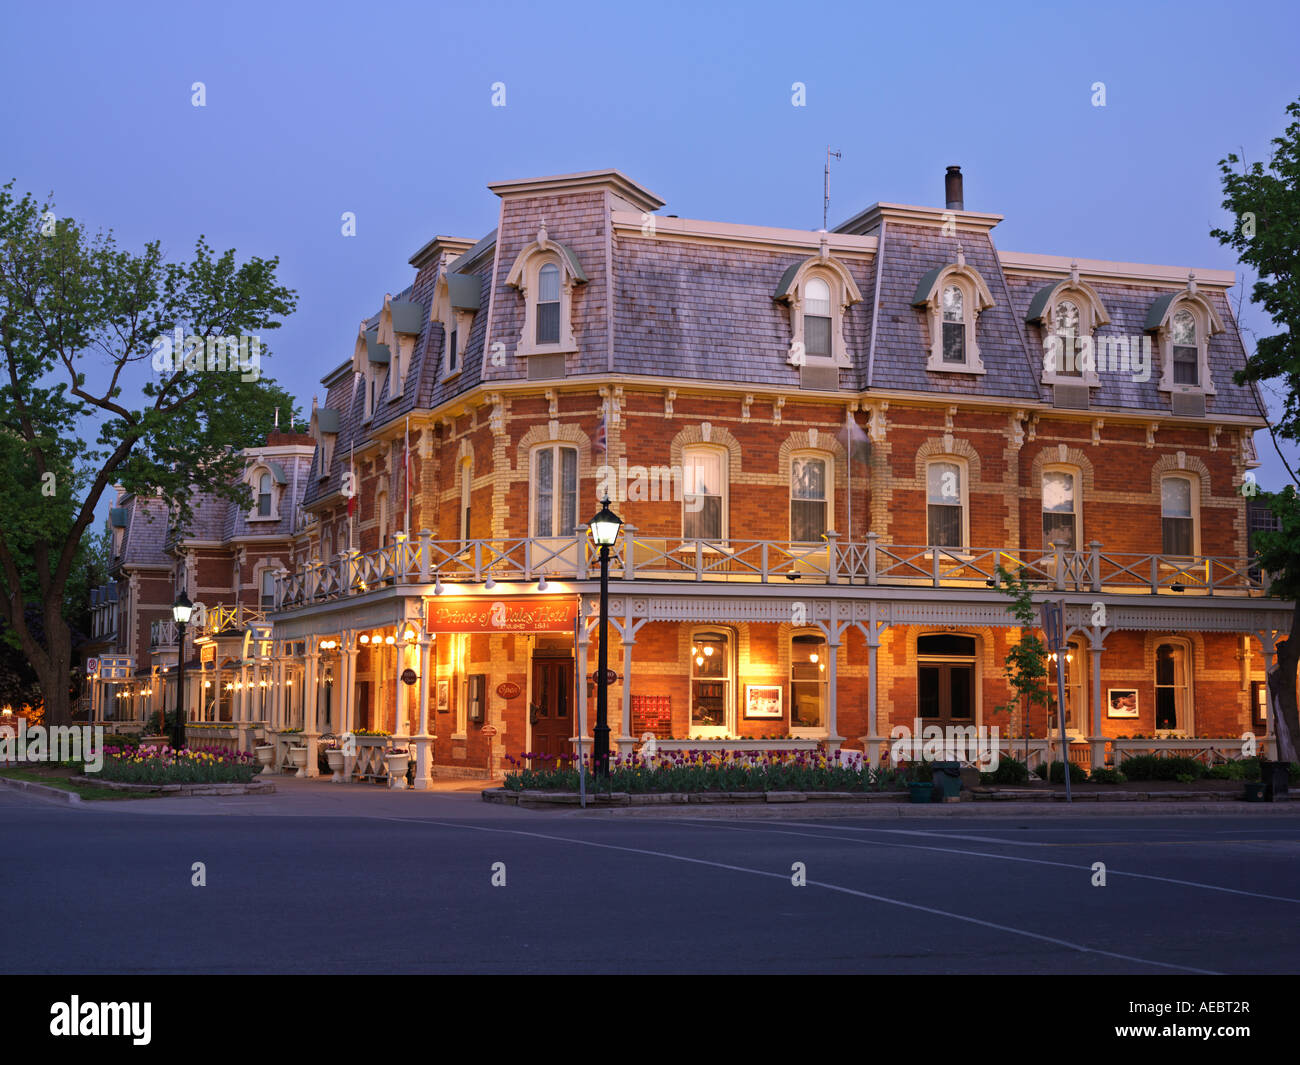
[
  {"x": 600, "y": 443},
  {"x": 856, "y": 444}
]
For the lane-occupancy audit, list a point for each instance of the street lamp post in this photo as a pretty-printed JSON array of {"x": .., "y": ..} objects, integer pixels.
[
  {"x": 181, "y": 610},
  {"x": 604, "y": 531}
]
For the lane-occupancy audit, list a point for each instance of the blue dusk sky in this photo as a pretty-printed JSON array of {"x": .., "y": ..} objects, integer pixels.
[{"x": 386, "y": 110}]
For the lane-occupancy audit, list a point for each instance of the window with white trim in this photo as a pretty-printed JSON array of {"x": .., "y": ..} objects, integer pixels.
[
  {"x": 808, "y": 681},
  {"x": 264, "y": 495},
  {"x": 704, "y": 494},
  {"x": 951, "y": 299},
  {"x": 1173, "y": 686},
  {"x": 381, "y": 512},
  {"x": 945, "y": 504},
  {"x": 817, "y": 318},
  {"x": 548, "y": 304},
  {"x": 1185, "y": 350},
  {"x": 809, "y": 498},
  {"x": 555, "y": 490},
  {"x": 954, "y": 324},
  {"x": 268, "y": 588},
  {"x": 1061, "y": 507},
  {"x": 1179, "y": 510}
]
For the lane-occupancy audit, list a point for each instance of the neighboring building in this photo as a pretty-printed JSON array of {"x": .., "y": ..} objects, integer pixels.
[{"x": 225, "y": 561}]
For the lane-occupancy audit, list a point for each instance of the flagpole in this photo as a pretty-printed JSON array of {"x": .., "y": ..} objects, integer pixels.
[{"x": 406, "y": 472}]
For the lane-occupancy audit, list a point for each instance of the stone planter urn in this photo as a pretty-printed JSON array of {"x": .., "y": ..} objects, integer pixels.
[
  {"x": 335, "y": 759},
  {"x": 265, "y": 756},
  {"x": 298, "y": 755},
  {"x": 397, "y": 764}
]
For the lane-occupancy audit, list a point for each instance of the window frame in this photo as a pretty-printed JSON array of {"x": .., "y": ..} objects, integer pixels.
[
  {"x": 827, "y": 459},
  {"x": 823, "y": 683},
  {"x": 465, "y": 510},
  {"x": 256, "y": 473},
  {"x": 723, "y": 491},
  {"x": 1194, "y": 495},
  {"x": 553, "y": 448},
  {"x": 728, "y": 681},
  {"x": 1077, "y": 475},
  {"x": 1186, "y": 727},
  {"x": 976, "y": 299},
  {"x": 1207, "y": 323},
  {"x": 963, "y": 469}
]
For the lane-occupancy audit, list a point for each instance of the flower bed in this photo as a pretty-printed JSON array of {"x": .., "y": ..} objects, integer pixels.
[
  {"x": 700, "y": 771},
  {"x": 162, "y": 765}
]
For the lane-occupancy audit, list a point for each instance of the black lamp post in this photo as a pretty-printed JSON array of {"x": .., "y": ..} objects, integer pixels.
[
  {"x": 181, "y": 610},
  {"x": 604, "y": 531}
]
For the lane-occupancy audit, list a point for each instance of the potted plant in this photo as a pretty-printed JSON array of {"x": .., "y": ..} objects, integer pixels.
[
  {"x": 398, "y": 760},
  {"x": 333, "y": 752},
  {"x": 298, "y": 757},
  {"x": 265, "y": 756}
]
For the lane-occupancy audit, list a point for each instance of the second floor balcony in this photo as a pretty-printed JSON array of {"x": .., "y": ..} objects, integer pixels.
[{"x": 870, "y": 563}]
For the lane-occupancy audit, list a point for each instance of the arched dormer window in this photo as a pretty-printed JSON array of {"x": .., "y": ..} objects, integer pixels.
[
  {"x": 264, "y": 496},
  {"x": 546, "y": 273},
  {"x": 1068, "y": 312},
  {"x": 266, "y": 479},
  {"x": 819, "y": 292},
  {"x": 456, "y": 301},
  {"x": 952, "y": 298},
  {"x": 1183, "y": 323}
]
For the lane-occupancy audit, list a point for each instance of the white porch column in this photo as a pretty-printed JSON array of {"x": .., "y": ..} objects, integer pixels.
[
  {"x": 400, "y": 725},
  {"x": 422, "y": 742},
  {"x": 1096, "y": 742},
  {"x": 581, "y": 642},
  {"x": 348, "y": 683},
  {"x": 311, "y": 706},
  {"x": 833, "y": 737},
  {"x": 871, "y": 630}
]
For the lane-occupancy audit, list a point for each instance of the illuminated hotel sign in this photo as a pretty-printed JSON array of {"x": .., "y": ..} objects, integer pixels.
[{"x": 515, "y": 614}]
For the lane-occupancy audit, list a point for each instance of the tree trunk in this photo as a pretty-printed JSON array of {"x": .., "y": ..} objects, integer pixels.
[
  {"x": 55, "y": 673},
  {"x": 1282, "y": 694}
]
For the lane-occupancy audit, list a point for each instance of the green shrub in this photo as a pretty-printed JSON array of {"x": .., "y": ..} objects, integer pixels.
[
  {"x": 1009, "y": 771},
  {"x": 1078, "y": 775},
  {"x": 1152, "y": 767},
  {"x": 1107, "y": 776}
]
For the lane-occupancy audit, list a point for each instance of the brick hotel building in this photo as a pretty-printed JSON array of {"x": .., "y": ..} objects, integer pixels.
[{"x": 823, "y": 444}]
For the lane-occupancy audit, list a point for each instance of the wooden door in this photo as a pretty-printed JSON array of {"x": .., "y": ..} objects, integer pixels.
[{"x": 551, "y": 710}]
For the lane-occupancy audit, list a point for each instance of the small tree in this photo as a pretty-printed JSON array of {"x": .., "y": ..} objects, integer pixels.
[
  {"x": 1025, "y": 666},
  {"x": 1265, "y": 204}
]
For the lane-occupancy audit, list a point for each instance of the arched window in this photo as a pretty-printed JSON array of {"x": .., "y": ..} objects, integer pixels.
[
  {"x": 809, "y": 498},
  {"x": 1182, "y": 335},
  {"x": 704, "y": 494},
  {"x": 264, "y": 496},
  {"x": 710, "y": 682},
  {"x": 945, "y": 505},
  {"x": 1173, "y": 686},
  {"x": 954, "y": 324},
  {"x": 808, "y": 662},
  {"x": 548, "y": 304},
  {"x": 1065, "y": 324},
  {"x": 945, "y": 677},
  {"x": 817, "y": 318},
  {"x": 1061, "y": 508},
  {"x": 1178, "y": 516},
  {"x": 555, "y": 490}
]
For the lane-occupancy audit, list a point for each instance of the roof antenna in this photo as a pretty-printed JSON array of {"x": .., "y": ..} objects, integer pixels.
[
  {"x": 826, "y": 187},
  {"x": 277, "y": 417}
]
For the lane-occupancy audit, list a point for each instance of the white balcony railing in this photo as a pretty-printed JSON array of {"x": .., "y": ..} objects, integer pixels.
[{"x": 647, "y": 558}]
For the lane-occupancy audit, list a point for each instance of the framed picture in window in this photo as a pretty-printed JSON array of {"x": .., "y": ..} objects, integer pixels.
[
  {"x": 442, "y": 697},
  {"x": 762, "y": 700},
  {"x": 1121, "y": 702}
]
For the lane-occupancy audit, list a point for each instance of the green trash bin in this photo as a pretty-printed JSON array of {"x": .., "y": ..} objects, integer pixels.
[{"x": 947, "y": 781}]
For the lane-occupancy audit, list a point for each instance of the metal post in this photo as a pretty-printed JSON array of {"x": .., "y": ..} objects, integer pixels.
[
  {"x": 600, "y": 753},
  {"x": 178, "y": 730}
]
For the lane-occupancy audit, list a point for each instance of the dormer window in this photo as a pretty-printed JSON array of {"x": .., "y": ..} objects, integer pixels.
[
  {"x": 1067, "y": 313},
  {"x": 952, "y": 298},
  {"x": 265, "y": 479},
  {"x": 954, "y": 325},
  {"x": 548, "y": 304},
  {"x": 546, "y": 274},
  {"x": 264, "y": 496},
  {"x": 1182, "y": 336},
  {"x": 456, "y": 301},
  {"x": 1183, "y": 323},
  {"x": 819, "y": 291}
]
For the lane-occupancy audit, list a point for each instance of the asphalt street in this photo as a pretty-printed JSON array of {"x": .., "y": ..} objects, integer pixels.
[{"x": 356, "y": 880}]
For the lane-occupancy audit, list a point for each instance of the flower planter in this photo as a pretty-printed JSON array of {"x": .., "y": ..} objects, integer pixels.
[
  {"x": 265, "y": 756},
  {"x": 397, "y": 764},
  {"x": 298, "y": 756},
  {"x": 921, "y": 791},
  {"x": 335, "y": 759}
]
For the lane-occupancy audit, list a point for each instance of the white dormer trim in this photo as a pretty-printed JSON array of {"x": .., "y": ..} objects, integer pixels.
[
  {"x": 844, "y": 294},
  {"x": 1208, "y": 323},
  {"x": 451, "y": 319},
  {"x": 523, "y": 276},
  {"x": 976, "y": 298},
  {"x": 1092, "y": 315}
]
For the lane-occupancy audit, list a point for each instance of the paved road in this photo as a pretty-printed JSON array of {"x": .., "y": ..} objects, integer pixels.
[{"x": 361, "y": 880}]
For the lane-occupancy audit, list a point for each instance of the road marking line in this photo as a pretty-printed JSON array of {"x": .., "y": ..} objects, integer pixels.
[
  {"x": 817, "y": 883},
  {"x": 1004, "y": 858}
]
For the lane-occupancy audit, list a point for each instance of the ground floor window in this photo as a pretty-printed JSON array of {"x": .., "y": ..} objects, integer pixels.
[
  {"x": 1173, "y": 687},
  {"x": 808, "y": 662},
  {"x": 945, "y": 678},
  {"x": 710, "y": 680},
  {"x": 1076, "y": 702}
]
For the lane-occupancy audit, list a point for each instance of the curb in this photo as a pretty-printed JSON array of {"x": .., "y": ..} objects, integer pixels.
[
  {"x": 43, "y": 791},
  {"x": 253, "y": 787}
]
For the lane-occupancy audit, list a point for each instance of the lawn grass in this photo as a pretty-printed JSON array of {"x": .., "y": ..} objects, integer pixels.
[{"x": 58, "y": 777}]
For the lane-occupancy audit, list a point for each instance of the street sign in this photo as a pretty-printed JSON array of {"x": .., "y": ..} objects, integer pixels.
[
  {"x": 92, "y": 667},
  {"x": 488, "y": 730},
  {"x": 1053, "y": 625},
  {"x": 610, "y": 676},
  {"x": 409, "y": 677}
]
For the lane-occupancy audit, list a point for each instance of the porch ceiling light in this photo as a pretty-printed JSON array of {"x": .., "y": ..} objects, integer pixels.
[
  {"x": 364, "y": 638},
  {"x": 542, "y": 585},
  {"x": 390, "y": 640},
  {"x": 409, "y": 634},
  {"x": 490, "y": 583},
  {"x": 603, "y": 528}
]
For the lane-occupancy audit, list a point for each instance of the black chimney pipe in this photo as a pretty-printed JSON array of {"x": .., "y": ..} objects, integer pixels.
[{"x": 952, "y": 189}]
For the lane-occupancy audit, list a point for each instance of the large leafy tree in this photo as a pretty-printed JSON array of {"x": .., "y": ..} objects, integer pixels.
[
  {"x": 1265, "y": 204},
  {"x": 90, "y": 398}
]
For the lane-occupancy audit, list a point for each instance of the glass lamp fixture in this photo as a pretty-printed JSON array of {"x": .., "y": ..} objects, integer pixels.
[
  {"x": 181, "y": 609},
  {"x": 603, "y": 528},
  {"x": 390, "y": 640},
  {"x": 364, "y": 638}
]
